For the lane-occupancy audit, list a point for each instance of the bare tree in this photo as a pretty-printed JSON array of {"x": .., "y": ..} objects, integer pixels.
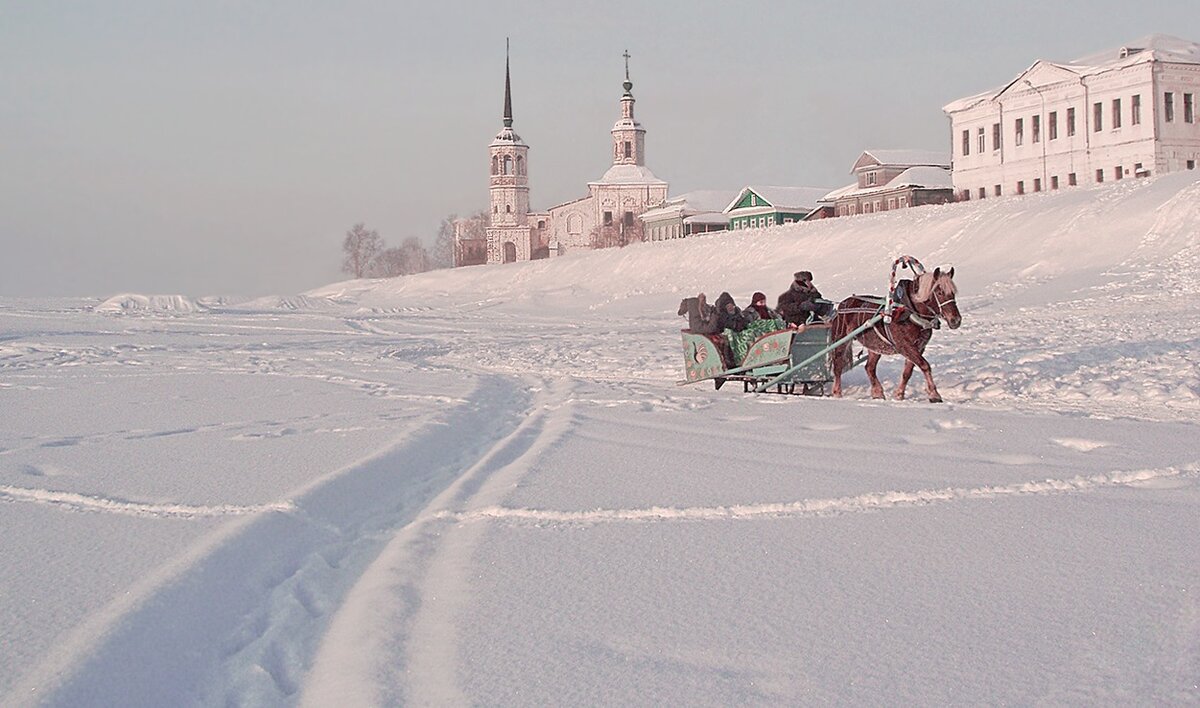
[
  {"x": 388, "y": 264},
  {"x": 442, "y": 255},
  {"x": 416, "y": 258},
  {"x": 359, "y": 249}
]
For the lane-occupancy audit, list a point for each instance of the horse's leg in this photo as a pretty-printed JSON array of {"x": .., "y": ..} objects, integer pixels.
[
  {"x": 904, "y": 377},
  {"x": 836, "y": 362},
  {"x": 923, "y": 365},
  {"x": 872, "y": 362}
]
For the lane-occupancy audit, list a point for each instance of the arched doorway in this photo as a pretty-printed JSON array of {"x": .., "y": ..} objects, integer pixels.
[{"x": 510, "y": 252}]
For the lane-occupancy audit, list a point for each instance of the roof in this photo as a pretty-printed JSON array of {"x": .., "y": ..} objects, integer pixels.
[
  {"x": 708, "y": 217},
  {"x": 903, "y": 158},
  {"x": 628, "y": 174},
  {"x": 1151, "y": 48},
  {"x": 795, "y": 199},
  {"x": 922, "y": 177}
]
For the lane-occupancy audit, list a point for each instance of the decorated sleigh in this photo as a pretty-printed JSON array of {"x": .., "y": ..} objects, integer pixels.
[{"x": 788, "y": 361}]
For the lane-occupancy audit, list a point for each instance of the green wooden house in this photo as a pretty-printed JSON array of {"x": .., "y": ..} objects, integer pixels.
[{"x": 760, "y": 207}]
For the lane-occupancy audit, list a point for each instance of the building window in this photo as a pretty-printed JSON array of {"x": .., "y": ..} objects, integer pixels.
[
  {"x": 1100, "y": 175},
  {"x": 495, "y": 164},
  {"x": 995, "y": 136},
  {"x": 1070, "y": 122},
  {"x": 608, "y": 218},
  {"x": 1071, "y": 181},
  {"x": 903, "y": 202},
  {"x": 1037, "y": 129},
  {"x": 891, "y": 203},
  {"x": 1020, "y": 186},
  {"x": 1189, "y": 112},
  {"x": 997, "y": 190},
  {"x": 1118, "y": 173},
  {"x": 1020, "y": 131},
  {"x": 1191, "y": 164},
  {"x": 508, "y": 165},
  {"x": 871, "y": 175},
  {"x": 1135, "y": 110},
  {"x": 982, "y": 193},
  {"x": 1037, "y": 184},
  {"x": 628, "y": 149},
  {"x": 1053, "y": 182},
  {"x": 753, "y": 200},
  {"x": 966, "y": 146},
  {"x": 1169, "y": 107},
  {"x": 981, "y": 141},
  {"x": 1138, "y": 171},
  {"x": 628, "y": 219},
  {"x": 1097, "y": 117},
  {"x": 541, "y": 224},
  {"x": 508, "y": 208},
  {"x": 1052, "y": 125},
  {"x": 788, "y": 220},
  {"x": 1116, "y": 113}
]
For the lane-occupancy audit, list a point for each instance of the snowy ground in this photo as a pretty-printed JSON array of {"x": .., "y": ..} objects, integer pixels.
[{"x": 483, "y": 486}]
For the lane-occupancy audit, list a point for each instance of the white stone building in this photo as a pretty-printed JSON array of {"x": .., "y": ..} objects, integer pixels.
[
  {"x": 607, "y": 216},
  {"x": 1126, "y": 112}
]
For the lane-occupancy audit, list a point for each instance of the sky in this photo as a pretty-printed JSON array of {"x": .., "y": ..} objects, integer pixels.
[{"x": 224, "y": 148}]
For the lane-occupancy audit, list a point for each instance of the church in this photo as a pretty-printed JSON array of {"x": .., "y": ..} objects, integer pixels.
[{"x": 607, "y": 216}]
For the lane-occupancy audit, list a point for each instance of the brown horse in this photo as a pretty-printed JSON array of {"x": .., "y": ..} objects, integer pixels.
[{"x": 933, "y": 297}]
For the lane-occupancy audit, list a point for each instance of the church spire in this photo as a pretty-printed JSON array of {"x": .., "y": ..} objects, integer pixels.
[
  {"x": 507, "y": 90},
  {"x": 628, "y": 84}
]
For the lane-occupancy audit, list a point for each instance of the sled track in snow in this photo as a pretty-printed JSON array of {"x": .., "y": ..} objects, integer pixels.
[
  {"x": 237, "y": 621},
  {"x": 70, "y": 501},
  {"x": 821, "y": 507}
]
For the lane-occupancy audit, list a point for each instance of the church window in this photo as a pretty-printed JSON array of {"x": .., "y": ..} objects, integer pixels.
[
  {"x": 608, "y": 218},
  {"x": 508, "y": 208},
  {"x": 628, "y": 149},
  {"x": 495, "y": 164},
  {"x": 520, "y": 165},
  {"x": 541, "y": 224},
  {"x": 495, "y": 209},
  {"x": 575, "y": 224},
  {"x": 628, "y": 218},
  {"x": 508, "y": 166}
]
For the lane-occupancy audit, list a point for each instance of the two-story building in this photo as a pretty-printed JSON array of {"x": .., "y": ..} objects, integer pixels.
[
  {"x": 1126, "y": 112},
  {"x": 687, "y": 214},
  {"x": 893, "y": 179}
]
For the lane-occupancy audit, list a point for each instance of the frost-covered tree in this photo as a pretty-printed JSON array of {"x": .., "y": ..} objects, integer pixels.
[
  {"x": 442, "y": 255},
  {"x": 407, "y": 258},
  {"x": 359, "y": 250}
]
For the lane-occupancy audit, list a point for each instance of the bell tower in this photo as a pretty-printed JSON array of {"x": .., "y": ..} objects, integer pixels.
[
  {"x": 629, "y": 137},
  {"x": 508, "y": 230}
]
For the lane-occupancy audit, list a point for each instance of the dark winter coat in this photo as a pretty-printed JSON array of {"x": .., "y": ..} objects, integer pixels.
[
  {"x": 735, "y": 320},
  {"x": 795, "y": 305}
]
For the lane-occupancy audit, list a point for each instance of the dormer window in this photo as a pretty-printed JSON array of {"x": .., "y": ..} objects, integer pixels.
[{"x": 870, "y": 178}]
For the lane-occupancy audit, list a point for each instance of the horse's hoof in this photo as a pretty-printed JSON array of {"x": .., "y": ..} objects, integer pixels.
[
  {"x": 879, "y": 396},
  {"x": 898, "y": 396},
  {"x": 937, "y": 399}
]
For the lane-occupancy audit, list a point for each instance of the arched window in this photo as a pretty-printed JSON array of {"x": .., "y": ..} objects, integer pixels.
[
  {"x": 520, "y": 165},
  {"x": 508, "y": 208},
  {"x": 508, "y": 164},
  {"x": 575, "y": 224},
  {"x": 495, "y": 164}
]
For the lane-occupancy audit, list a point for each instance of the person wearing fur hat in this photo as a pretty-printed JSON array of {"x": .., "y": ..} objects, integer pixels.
[
  {"x": 729, "y": 315},
  {"x": 802, "y": 300},
  {"x": 758, "y": 309}
]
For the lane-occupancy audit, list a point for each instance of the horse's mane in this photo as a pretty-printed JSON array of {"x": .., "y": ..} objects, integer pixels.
[{"x": 926, "y": 283}]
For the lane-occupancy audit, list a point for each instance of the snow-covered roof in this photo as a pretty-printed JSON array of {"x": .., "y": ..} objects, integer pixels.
[
  {"x": 1153, "y": 47},
  {"x": 708, "y": 217},
  {"x": 506, "y": 136},
  {"x": 628, "y": 174},
  {"x": 795, "y": 199},
  {"x": 703, "y": 200},
  {"x": 903, "y": 158},
  {"x": 923, "y": 177}
]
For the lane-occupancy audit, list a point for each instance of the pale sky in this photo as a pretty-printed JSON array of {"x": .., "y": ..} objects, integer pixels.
[{"x": 223, "y": 147}]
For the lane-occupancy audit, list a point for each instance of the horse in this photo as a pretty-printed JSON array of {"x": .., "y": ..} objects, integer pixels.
[{"x": 932, "y": 296}]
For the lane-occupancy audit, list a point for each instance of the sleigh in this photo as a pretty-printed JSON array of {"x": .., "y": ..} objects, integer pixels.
[{"x": 787, "y": 361}]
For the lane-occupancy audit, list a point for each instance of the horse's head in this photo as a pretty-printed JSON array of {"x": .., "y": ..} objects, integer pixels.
[{"x": 938, "y": 290}]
